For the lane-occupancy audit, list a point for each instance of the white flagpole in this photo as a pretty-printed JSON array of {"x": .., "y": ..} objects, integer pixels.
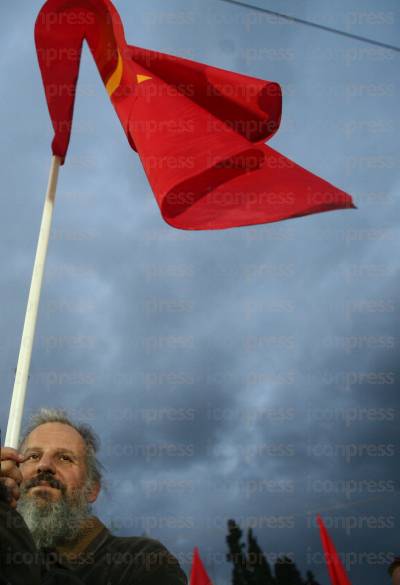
[{"x": 28, "y": 333}]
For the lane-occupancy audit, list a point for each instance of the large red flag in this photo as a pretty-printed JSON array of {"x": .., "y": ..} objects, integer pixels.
[
  {"x": 198, "y": 576},
  {"x": 336, "y": 569},
  {"x": 199, "y": 130}
]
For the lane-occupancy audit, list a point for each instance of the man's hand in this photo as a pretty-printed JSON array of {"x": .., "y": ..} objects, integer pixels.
[{"x": 10, "y": 475}]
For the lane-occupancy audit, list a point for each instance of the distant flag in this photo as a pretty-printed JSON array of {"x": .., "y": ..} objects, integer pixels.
[
  {"x": 198, "y": 575},
  {"x": 336, "y": 569},
  {"x": 198, "y": 130}
]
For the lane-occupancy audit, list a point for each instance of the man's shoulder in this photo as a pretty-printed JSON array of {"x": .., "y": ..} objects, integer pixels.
[
  {"x": 105, "y": 539},
  {"x": 148, "y": 556},
  {"x": 140, "y": 550},
  {"x": 139, "y": 543}
]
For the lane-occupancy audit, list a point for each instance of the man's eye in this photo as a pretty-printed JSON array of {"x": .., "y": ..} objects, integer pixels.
[
  {"x": 65, "y": 457},
  {"x": 32, "y": 455}
]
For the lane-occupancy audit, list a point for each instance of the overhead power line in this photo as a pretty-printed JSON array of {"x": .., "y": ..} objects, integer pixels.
[{"x": 314, "y": 25}]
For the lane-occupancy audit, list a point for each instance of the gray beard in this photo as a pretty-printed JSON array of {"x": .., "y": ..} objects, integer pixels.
[{"x": 54, "y": 523}]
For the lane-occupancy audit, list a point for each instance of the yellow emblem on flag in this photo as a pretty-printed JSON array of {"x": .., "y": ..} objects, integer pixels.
[
  {"x": 116, "y": 77},
  {"x": 141, "y": 78}
]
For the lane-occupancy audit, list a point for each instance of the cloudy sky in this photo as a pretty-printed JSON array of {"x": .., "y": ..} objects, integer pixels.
[{"x": 250, "y": 373}]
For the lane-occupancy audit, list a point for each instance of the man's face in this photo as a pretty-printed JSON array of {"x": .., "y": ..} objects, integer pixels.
[
  {"x": 396, "y": 576},
  {"x": 55, "y": 491},
  {"x": 55, "y": 464}
]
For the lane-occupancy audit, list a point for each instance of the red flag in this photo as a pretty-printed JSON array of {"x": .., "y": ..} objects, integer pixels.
[
  {"x": 198, "y": 575},
  {"x": 336, "y": 569},
  {"x": 198, "y": 130}
]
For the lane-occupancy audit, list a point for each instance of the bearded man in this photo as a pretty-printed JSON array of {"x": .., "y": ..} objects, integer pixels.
[{"x": 48, "y": 534}]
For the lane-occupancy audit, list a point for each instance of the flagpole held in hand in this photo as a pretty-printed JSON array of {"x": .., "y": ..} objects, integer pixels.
[{"x": 28, "y": 333}]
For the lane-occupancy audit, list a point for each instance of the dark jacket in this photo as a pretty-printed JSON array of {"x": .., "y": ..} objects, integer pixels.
[{"x": 99, "y": 558}]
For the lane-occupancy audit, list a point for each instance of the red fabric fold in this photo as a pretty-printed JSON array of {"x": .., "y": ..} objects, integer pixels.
[
  {"x": 198, "y": 575},
  {"x": 199, "y": 130},
  {"x": 336, "y": 569}
]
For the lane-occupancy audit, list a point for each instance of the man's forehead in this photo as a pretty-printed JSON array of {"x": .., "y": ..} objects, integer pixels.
[{"x": 55, "y": 435}]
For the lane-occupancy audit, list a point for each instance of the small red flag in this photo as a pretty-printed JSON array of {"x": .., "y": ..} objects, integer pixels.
[
  {"x": 199, "y": 130},
  {"x": 198, "y": 575},
  {"x": 336, "y": 569}
]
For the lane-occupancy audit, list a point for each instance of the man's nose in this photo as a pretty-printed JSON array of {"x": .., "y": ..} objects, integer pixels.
[{"x": 46, "y": 463}]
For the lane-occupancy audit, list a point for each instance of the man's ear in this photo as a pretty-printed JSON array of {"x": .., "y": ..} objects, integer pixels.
[{"x": 93, "y": 493}]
